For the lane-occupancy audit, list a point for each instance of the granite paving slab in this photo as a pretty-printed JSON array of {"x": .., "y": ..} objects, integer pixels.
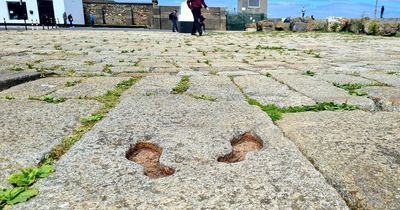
[
  {"x": 268, "y": 91},
  {"x": 321, "y": 91},
  {"x": 344, "y": 79},
  {"x": 218, "y": 87},
  {"x": 36, "y": 88},
  {"x": 386, "y": 98},
  {"x": 357, "y": 152},
  {"x": 30, "y": 129},
  {"x": 9, "y": 79},
  {"x": 90, "y": 87},
  {"x": 393, "y": 80},
  {"x": 191, "y": 135}
]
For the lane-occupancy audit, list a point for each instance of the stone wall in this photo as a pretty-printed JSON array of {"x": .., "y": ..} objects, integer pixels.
[
  {"x": 119, "y": 14},
  {"x": 215, "y": 18},
  {"x": 145, "y": 15},
  {"x": 389, "y": 27}
]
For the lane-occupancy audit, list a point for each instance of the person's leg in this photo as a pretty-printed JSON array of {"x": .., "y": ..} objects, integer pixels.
[
  {"x": 194, "y": 25},
  {"x": 174, "y": 26},
  {"x": 196, "y": 16}
]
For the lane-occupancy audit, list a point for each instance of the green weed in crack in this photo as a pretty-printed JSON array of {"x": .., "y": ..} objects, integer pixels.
[
  {"x": 309, "y": 73},
  {"x": 204, "y": 97},
  {"x": 22, "y": 181},
  {"x": 352, "y": 88},
  {"x": 48, "y": 99},
  {"x": 276, "y": 112},
  {"x": 109, "y": 101},
  {"x": 72, "y": 83},
  {"x": 182, "y": 86}
]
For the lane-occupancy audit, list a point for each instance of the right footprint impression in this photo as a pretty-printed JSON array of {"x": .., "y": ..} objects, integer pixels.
[
  {"x": 148, "y": 155},
  {"x": 241, "y": 146}
]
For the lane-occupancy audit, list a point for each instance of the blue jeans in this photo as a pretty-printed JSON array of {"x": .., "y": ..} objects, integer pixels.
[{"x": 174, "y": 26}]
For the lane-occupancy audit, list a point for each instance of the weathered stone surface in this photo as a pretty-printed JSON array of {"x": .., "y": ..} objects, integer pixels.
[
  {"x": 30, "y": 129},
  {"x": 359, "y": 156},
  {"x": 10, "y": 79},
  {"x": 148, "y": 86},
  {"x": 315, "y": 25},
  {"x": 268, "y": 91},
  {"x": 219, "y": 87},
  {"x": 96, "y": 173},
  {"x": 237, "y": 73},
  {"x": 265, "y": 25},
  {"x": 280, "y": 26},
  {"x": 36, "y": 88},
  {"x": 90, "y": 87},
  {"x": 393, "y": 80},
  {"x": 387, "y": 98},
  {"x": 321, "y": 91},
  {"x": 344, "y": 79},
  {"x": 356, "y": 26},
  {"x": 299, "y": 27},
  {"x": 336, "y": 24}
]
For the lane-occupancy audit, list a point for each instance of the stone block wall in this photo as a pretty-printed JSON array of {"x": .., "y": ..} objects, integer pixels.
[
  {"x": 215, "y": 17},
  {"x": 119, "y": 14}
]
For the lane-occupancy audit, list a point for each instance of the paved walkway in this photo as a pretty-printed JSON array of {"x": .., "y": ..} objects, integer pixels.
[{"x": 186, "y": 135}]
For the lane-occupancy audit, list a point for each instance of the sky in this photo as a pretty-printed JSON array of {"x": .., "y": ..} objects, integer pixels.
[{"x": 318, "y": 8}]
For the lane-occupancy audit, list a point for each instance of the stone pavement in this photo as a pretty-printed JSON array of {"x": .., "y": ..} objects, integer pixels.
[{"x": 206, "y": 148}]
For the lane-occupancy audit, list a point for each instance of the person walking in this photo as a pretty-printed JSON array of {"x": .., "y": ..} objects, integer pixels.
[
  {"x": 202, "y": 24},
  {"x": 303, "y": 12},
  {"x": 70, "y": 19},
  {"x": 65, "y": 19},
  {"x": 91, "y": 19},
  {"x": 382, "y": 11},
  {"x": 173, "y": 17},
  {"x": 195, "y": 6}
]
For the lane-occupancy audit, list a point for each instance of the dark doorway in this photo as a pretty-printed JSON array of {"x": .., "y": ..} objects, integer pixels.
[{"x": 46, "y": 11}]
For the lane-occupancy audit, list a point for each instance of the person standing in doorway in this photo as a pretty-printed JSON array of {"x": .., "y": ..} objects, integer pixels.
[
  {"x": 70, "y": 19},
  {"x": 303, "y": 12},
  {"x": 195, "y": 6},
  {"x": 382, "y": 11},
  {"x": 65, "y": 19},
  {"x": 173, "y": 17}
]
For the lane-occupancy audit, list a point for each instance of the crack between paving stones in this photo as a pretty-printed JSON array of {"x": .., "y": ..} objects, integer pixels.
[
  {"x": 330, "y": 182},
  {"x": 291, "y": 88},
  {"x": 352, "y": 201}
]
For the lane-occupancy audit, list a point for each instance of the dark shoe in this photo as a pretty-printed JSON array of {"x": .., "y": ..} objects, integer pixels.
[{"x": 201, "y": 34}]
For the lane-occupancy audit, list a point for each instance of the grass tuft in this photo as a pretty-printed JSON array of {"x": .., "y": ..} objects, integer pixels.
[
  {"x": 182, "y": 86},
  {"x": 275, "y": 113}
]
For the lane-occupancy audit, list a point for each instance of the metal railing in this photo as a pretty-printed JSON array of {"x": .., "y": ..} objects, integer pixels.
[{"x": 32, "y": 25}]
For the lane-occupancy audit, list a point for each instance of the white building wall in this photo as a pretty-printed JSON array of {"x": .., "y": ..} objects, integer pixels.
[
  {"x": 30, "y": 5},
  {"x": 75, "y": 7}
]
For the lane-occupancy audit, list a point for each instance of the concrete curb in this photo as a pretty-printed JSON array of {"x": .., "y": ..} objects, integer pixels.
[{"x": 8, "y": 80}]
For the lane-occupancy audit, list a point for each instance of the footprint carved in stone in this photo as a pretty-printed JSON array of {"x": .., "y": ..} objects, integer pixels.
[
  {"x": 148, "y": 155},
  {"x": 241, "y": 146}
]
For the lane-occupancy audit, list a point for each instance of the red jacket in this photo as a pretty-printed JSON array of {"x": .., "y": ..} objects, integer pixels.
[{"x": 194, "y": 4}]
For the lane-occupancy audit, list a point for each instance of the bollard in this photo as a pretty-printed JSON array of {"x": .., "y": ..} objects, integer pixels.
[
  {"x": 26, "y": 27},
  {"x": 43, "y": 26},
  {"x": 32, "y": 25},
  {"x": 37, "y": 25},
  {"x": 5, "y": 24},
  {"x": 52, "y": 23}
]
